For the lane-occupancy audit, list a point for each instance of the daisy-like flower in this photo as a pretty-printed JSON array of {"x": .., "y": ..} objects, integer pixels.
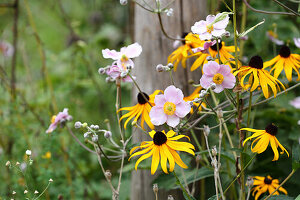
[
  {"x": 296, "y": 102},
  {"x": 182, "y": 52},
  {"x": 193, "y": 96},
  {"x": 213, "y": 26},
  {"x": 123, "y": 57},
  {"x": 258, "y": 76},
  {"x": 264, "y": 184},
  {"x": 219, "y": 74},
  {"x": 225, "y": 55},
  {"x": 297, "y": 42},
  {"x": 61, "y": 118},
  {"x": 141, "y": 109},
  {"x": 169, "y": 107},
  {"x": 163, "y": 148},
  {"x": 263, "y": 138},
  {"x": 274, "y": 38},
  {"x": 285, "y": 61}
]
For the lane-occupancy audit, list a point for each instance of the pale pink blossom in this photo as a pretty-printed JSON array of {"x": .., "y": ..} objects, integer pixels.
[
  {"x": 6, "y": 49},
  {"x": 169, "y": 107},
  {"x": 274, "y": 38},
  {"x": 213, "y": 26},
  {"x": 295, "y": 102},
  {"x": 123, "y": 57},
  {"x": 205, "y": 47},
  {"x": 114, "y": 71},
  {"x": 297, "y": 42},
  {"x": 219, "y": 74},
  {"x": 61, "y": 118}
]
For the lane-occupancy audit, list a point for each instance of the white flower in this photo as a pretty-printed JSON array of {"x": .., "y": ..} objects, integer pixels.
[
  {"x": 25, "y": 191},
  {"x": 36, "y": 192},
  {"x": 297, "y": 42},
  {"x": 50, "y": 180},
  {"x": 28, "y": 152}
]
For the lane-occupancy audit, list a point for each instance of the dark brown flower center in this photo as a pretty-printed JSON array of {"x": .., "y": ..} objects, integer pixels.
[
  {"x": 159, "y": 138},
  {"x": 141, "y": 98},
  {"x": 184, "y": 34},
  {"x": 256, "y": 62},
  {"x": 268, "y": 181},
  {"x": 271, "y": 129},
  {"x": 285, "y": 51},
  {"x": 215, "y": 48}
]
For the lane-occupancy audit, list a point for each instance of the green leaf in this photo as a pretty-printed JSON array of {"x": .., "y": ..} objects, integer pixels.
[
  {"x": 298, "y": 197},
  {"x": 280, "y": 197},
  {"x": 189, "y": 197},
  {"x": 296, "y": 156},
  {"x": 213, "y": 198},
  {"x": 250, "y": 29}
]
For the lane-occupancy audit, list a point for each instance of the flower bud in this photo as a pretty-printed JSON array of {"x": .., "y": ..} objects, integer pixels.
[
  {"x": 169, "y": 12},
  {"x": 203, "y": 93},
  {"x": 155, "y": 188},
  {"x": 96, "y": 127},
  {"x": 227, "y": 34},
  {"x": 214, "y": 151},
  {"x": 209, "y": 58},
  {"x": 28, "y": 152},
  {"x": 133, "y": 123},
  {"x": 77, "y": 125},
  {"x": 249, "y": 181},
  {"x": 170, "y": 197},
  {"x": 95, "y": 138},
  {"x": 36, "y": 192},
  {"x": 191, "y": 103},
  {"x": 108, "y": 174},
  {"x": 160, "y": 68},
  {"x": 25, "y": 191},
  {"x": 206, "y": 130},
  {"x": 129, "y": 67},
  {"x": 50, "y": 180},
  {"x": 107, "y": 134},
  {"x": 213, "y": 86},
  {"x": 220, "y": 113},
  {"x": 7, "y": 164},
  {"x": 13, "y": 192},
  {"x": 123, "y": 74},
  {"x": 170, "y": 65},
  {"x": 123, "y": 2},
  {"x": 84, "y": 125},
  {"x": 101, "y": 70},
  {"x": 86, "y": 135}
]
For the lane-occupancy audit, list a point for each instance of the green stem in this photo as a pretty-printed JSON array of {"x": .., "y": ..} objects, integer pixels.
[
  {"x": 181, "y": 186},
  {"x": 249, "y": 110},
  {"x": 198, "y": 145}
]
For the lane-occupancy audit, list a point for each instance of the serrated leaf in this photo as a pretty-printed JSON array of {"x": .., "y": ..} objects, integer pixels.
[{"x": 296, "y": 156}]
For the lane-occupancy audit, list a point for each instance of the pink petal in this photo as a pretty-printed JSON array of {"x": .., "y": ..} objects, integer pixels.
[
  {"x": 205, "y": 36},
  {"x": 51, "y": 128},
  {"x": 219, "y": 88},
  {"x": 128, "y": 79},
  {"x": 173, "y": 120},
  {"x": 221, "y": 24},
  {"x": 229, "y": 81},
  {"x": 123, "y": 65},
  {"x": 157, "y": 116},
  {"x": 133, "y": 50},
  {"x": 160, "y": 100},
  {"x": 182, "y": 109},
  {"x": 218, "y": 32},
  {"x": 224, "y": 70},
  {"x": 210, "y": 19},
  {"x": 173, "y": 94},
  {"x": 199, "y": 27},
  {"x": 113, "y": 54},
  {"x": 211, "y": 68},
  {"x": 205, "y": 81}
]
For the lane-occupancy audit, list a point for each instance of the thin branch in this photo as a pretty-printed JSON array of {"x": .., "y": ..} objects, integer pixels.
[
  {"x": 78, "y": 141},
  {"x": 287, "y": 8},
  {"x": 14, "y": 57}
]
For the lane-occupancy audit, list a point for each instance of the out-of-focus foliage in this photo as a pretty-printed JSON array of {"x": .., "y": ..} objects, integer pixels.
[{"x": 72, "y": 34}]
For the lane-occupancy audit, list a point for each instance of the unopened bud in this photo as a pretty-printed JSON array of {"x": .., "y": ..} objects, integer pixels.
[
  {"x": 95, "y": 138},
  {"x": 123, "y": 74},
  {"x": 123, "y": 2},
  {"x": 155, "y": 188},
  {"x": 209, "y": 58},
  {"x": 101, "y": 70},
  {"x": 17, "y": 163},
  {"x": 13, "y": 192},
  {"x": 7, "y": 164},
  {"x": 213, "y": 86},
  {"x": 84, "y": 125},
  {"x": 160, "y": 68},
  {"x": 28, "y": 152},
  {"x": 36, "y": 192},
  {"x": 202, "y": 93},
  {"x": 129, "y": 67},
  {"x": 86, "y": 135},
  {"x": 227, "y": 34},
  {"x": 170, "y": 197},
  {"x": 214, "y": 151},
  {"x": 108, "y": 174},
  {"x": 191, "y": 103},
  {"x": 170, "y": 65},
  {"x": 25, "y": 191},
  {"x": 50, "y": 180},
  {"x": 214, "y": 163},
  {"x": 107, "y": 134},
  {"x": 169, "y": 12},
  {"x": 220, "y": 113},
  {"x": 77, "y": 125},
  {"x": 133, "y": 123},
  {"x": 96, "y": 127},
  {"x": 249, "y": 182},
  {"x": 206, "y": 130}
]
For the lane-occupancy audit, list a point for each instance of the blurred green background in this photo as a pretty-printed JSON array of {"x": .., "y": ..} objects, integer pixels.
[{"x": 72, "y": 34}]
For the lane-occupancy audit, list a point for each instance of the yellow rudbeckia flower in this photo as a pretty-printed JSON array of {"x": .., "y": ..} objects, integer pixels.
[
  {"x": 258, "y": 76},
  {"x": 263, "y": 138},
  {"x": 264, "y": 184},
  {"x": 163, "y": 148},
  {"x": 285, "y": 61},
  {"x": 142, "y": 108}
]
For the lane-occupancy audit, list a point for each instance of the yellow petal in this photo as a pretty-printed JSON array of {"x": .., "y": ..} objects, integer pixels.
[
  {"x": 155, "y": 159},
  {"x": 143, "y": 157},
  {"x": 274, "y": 148}
]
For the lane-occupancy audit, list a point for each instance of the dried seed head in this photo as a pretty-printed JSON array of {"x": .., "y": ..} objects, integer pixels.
[
  {"x": 155, "y": 188},
  {"x": 206, "y": 130},
  {"x": 108, "y": 174},
  {"x": 77, "y": 125}
]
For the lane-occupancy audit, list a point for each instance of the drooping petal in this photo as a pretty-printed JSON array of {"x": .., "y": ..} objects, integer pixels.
[
  {"x": 155, "y": 159},
  {"x": 113, "y": 54},
  {"x": 177, "y": 159},
  {"x": 274, "y": 148},
  {"x": 169, "y": 156},
  {"x": 163, "y": 160},
  {"x": 143, "y": 157}
]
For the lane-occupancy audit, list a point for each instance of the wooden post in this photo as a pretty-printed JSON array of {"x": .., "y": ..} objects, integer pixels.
[{"x": 156, "y": 49}]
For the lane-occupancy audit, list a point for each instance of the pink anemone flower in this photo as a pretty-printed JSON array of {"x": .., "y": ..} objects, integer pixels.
[
  {"x": 123, "y": 57},
  {"x": 214, "y": 26},
  {"x": 114, "y": 71},
  {"x": 169, "y": 107},
  {"x": 295, "y": 102},
  {"x": 60, "y": 118},
  {"x": 219, "y": 74}
]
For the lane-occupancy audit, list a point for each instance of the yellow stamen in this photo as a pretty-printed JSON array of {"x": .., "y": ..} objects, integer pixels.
[
  {"x": 53, "y": 119},
  {"x": 218, "y": 78},
  {"x": 209, "y": 28},
  {"x": 169, "y": 108}
]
